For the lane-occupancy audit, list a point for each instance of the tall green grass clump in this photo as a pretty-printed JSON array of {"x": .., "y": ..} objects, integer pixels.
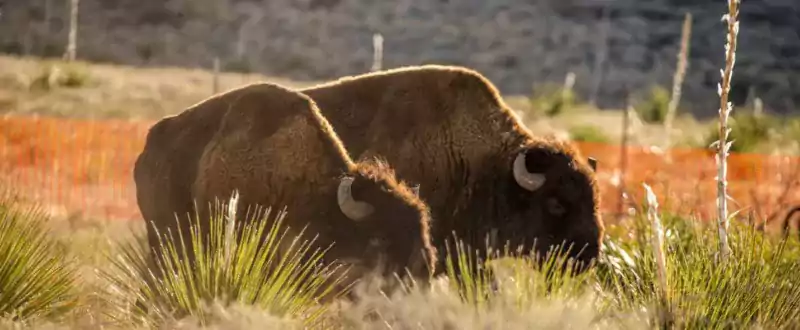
[
  {"x": 756, "y": 286},
  {"x": 37, "y": 279},
  {"x": 506, "y": 290},
  {"x": 588, "y": 133},
  {"x": 248, "y": 263},
  {"x": 533, "y": 275},
  {"x": 748, "y": 131},
  {"x": 56, "y": 74},
  {"x": 551, "y": 100},
  {"x": 655, "y": 107}
]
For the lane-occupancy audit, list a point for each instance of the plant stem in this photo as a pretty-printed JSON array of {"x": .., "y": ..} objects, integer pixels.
[{"x": 732, "y": 20}]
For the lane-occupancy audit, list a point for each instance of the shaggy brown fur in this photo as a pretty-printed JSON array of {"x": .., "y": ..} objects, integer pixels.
[
  {"x": 274, "y": 147},
  {"x": 448, "y": 129}
]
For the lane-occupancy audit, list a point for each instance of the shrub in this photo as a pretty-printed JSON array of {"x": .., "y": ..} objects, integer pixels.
[
  {"x": 238, "y": 66},
  {"x": 37, "y": 279},
  {"x": 791, "y": 130},
  {"x": 748, "y": 131},
  {"x": 56, "y": 75},
  {"x": 756, "y": 286},
  {"x": 246, "y": 271},
  {"x": 588, "y": 133},
  {"x": 509, "y": 290},
  {"x": 655, "y": 106},
  {"x": 551, "y": 100}
]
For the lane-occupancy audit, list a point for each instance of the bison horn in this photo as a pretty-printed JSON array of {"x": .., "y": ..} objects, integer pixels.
[
  {"x": 593, "y": 163},
  {"x": 415, "y": 189},
  {"x": 351, "y": 208},
  {"x": 527, "y": 180}
]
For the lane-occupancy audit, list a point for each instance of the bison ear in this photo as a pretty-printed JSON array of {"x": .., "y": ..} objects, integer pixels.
[{"x": 593, "y": 163}]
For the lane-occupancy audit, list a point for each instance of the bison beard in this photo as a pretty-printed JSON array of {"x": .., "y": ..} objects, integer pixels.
[
  {"x": 483, "y": 174},
  {"x": 273, "y": 146}
]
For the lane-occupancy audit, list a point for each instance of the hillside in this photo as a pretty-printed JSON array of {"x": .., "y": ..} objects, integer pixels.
[{"x": 516, "y": 43}]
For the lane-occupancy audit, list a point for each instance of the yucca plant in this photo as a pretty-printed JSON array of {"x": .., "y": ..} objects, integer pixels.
[
  {"x": 235, "y": 263},
  {"x": 756, "y": 286},
  {"x": 515, "y": 278},
  {"x": 37, "y": 279}
]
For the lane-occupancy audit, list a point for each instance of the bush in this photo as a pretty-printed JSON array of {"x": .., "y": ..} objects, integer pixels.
[
  {"x": 747, "y": 131},
  {"x": 509, "y": 290},
  {"x": 238, "y": 66},
  {"x": 654, "y": 108},
  {"x": 588, "y": 133},
  {"x": 246, "y": 271},
  {"x": 756, "y": 286},
  {"x": 56, "y": 75},
  {"x": 791, "y": 130},
  {"x": 552, "y": 100},
  {"x": 37, "y": 280}
]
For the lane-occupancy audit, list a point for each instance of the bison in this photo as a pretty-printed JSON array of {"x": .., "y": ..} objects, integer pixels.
[
  {"x": 274, "y": 147},
  {"x": 482, "y": 172},
  {"x": 784, "y": 222}
]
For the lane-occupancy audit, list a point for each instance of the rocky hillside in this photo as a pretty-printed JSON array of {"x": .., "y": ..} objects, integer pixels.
[{"x": 519, "y": 44}]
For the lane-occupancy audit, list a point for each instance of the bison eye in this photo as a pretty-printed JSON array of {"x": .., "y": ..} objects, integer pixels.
[{"x": 554, "y": 207}]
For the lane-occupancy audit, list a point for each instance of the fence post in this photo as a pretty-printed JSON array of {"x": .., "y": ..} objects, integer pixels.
[
  {"x": 377, "y": 52},
  {"x": 69, "y": 55},
  {"x": 215, "y": 82}
]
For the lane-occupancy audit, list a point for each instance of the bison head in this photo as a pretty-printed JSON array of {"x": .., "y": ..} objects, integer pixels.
[
  {"x": 390, "y": 215},
  {"x": 552, "y": 200}
]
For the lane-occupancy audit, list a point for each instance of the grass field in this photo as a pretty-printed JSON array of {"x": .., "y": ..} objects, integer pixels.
[
  {"x": 96, "y": 267},
  {"x": 104, "y": 91}
]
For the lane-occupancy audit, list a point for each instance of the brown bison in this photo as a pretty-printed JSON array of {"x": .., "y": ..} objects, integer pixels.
[
  {"x": 481, "y": 171},
  {"x": 783, "y": 222},
  {"x": 274, "y": 147}
]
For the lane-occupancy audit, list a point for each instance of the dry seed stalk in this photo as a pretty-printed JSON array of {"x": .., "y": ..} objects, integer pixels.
[{"x": 722, "y": 145}]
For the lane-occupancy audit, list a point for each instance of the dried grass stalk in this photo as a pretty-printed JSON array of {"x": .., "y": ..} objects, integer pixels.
[
  {"x": 677, "y": 80},
  {"x": 722, "y": 145}
]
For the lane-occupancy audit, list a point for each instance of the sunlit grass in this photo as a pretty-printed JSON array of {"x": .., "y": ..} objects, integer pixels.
[
  {"x": 757, "y": 284},
  {"x": 37, "y": 279},
  {"x": 251, "y": 270}
]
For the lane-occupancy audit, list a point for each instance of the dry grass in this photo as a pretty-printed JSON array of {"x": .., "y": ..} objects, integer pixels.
[
  {"x": 108, "y": 91},
  {"x": 91, "y": 90}
]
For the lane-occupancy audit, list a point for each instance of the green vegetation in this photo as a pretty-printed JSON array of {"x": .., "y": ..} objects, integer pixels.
[
  {"x": 748, "y": 131},
  {"x": 588, "y": 133},
  {"x": 37, "y": 280},
  {"x": 552, "y": 100},
  {"x": 239, "y": 283},
  {"x": 56, "y": 74},
  {"x": 654, "y": 108},
  {"x": 755, "y": 287},
  {"x": 283, "y": 283}
]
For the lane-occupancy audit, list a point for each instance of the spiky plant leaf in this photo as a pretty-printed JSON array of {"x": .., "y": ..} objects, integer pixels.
[
  {"x": 260, "y": 268},
  {"x": 756, "y": 286},
  {"x": 37, "y": 279},
  {"x": 514, "y": 278}
]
